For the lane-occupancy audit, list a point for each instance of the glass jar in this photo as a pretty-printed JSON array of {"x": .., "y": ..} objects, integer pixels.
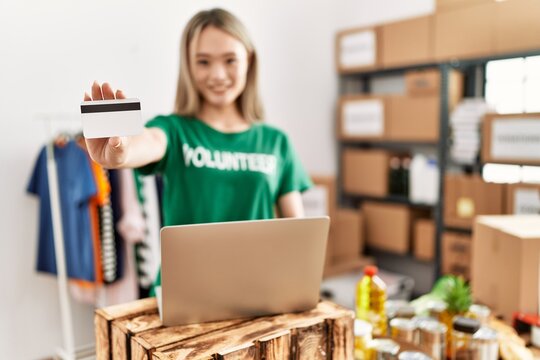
[
  {"x": 362, "y": 339},
  {"x": 431, "y": 338},
  {"x": 402, "y": 330},
  {"x": 413, "y": 355},
  {"x": 463, "y": 346},
  {"x": 436, "y": 308},
  {"x": 487, "y": 343},
  {"x": 392, "y": 307},
  {"x": 480, "y": 313},
  {"x": 383, "y": 349}
]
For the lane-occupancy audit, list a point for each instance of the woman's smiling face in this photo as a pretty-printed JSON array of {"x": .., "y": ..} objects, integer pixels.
[{"x": 219, "y": 65}]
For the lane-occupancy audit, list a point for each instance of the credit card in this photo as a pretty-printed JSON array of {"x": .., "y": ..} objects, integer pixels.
[{"x": 108, "y": 118}]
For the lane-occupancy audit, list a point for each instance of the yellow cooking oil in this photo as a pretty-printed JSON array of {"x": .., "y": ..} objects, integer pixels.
[{"x": 370, "y": 300}]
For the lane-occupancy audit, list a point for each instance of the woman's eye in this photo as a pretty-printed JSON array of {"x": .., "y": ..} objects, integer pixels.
[
  {"x": 231, "y": 61},
  {"x": 202, "y": 62}
]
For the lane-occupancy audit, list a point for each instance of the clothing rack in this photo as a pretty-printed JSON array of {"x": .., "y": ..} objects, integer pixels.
[{"x": 68, "y": 351}]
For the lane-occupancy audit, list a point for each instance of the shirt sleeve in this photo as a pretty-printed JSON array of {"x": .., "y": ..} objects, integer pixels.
[
  {"x": 87, "y": 184},
  {"x": 293, "y": 174},
  {"x": 38, "y": 179},
  {"x": 163, "y": 123}
]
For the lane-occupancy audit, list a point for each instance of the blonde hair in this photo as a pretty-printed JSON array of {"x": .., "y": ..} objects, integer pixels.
[{"x": 188, "y": 99}]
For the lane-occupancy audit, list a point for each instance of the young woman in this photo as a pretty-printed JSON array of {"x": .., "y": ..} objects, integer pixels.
[{"x": 218, "y": 160}]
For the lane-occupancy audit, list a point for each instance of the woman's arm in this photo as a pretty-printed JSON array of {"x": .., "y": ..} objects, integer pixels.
[
  {"x": 290, "y": 205},
  {"x": 124, "y": 152}
]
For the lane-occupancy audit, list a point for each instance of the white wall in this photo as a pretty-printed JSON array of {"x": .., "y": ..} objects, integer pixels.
[{"x": 51, "y": 51}]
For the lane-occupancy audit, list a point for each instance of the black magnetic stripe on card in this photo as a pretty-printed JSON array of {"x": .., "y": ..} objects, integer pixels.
[{"x": 87, "y": 109}]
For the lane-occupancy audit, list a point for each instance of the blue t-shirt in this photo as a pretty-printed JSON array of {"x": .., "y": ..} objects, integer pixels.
[{"x": 77, "y": 186}]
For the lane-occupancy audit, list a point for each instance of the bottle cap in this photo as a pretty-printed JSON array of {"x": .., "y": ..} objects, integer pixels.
[
  {"x": 466, "y": 325},
  {"x": 371, "y": 270}
]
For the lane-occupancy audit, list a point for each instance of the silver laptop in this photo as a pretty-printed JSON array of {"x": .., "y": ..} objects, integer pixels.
[{"x": 231, "y": 270}]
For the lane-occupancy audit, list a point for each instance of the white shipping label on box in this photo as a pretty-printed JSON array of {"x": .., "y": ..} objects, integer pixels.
[
  {"x": 358, "y": 49},
  {"x": 363, "y": 118},
  {"x": 315, "y": 201},
  {"x": 516, "y": 139},
  {"x": 527, "y": 201}
]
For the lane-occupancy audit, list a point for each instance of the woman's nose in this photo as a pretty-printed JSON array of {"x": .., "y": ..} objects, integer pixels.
[{"x": 218, "y": 72}]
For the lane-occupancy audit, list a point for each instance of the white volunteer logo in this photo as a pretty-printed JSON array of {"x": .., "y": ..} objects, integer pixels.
[{"x": 229, "y": 161}]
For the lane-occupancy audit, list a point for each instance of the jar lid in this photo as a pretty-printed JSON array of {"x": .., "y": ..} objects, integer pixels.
[
  {"x": 402, "y": 323},
  {"x": 480, "y": 310},
  {"x": 384, "y": 346},
  {"x": 362, "y": 328},
  {"x": 418, "y": 320},
  {"x": 466, "y": 325},
  {"x": 413, "y": 355},
  {"x": 433, "y": 326},
  {"x": 437, "y": 305},
  {"x": 407, "y": 311},
  {"x": 486, "y": 333}
]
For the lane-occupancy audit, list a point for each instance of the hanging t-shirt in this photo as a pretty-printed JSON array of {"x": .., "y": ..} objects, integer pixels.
[
  {"x": 76, "y": 186},
  {"x": 210, "y": 176}
]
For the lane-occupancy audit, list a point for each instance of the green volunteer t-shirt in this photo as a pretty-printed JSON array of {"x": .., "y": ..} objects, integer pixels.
[{"x": 210, "y": 176}]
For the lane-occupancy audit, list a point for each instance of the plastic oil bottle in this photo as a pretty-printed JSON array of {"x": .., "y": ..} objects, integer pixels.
[{"x": 370, "y": 300}]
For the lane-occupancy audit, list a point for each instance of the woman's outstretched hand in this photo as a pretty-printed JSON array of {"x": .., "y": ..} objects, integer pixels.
[{"x": 108, "y": 152}]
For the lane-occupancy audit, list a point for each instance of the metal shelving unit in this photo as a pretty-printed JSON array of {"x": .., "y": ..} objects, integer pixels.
[{"x": 474, "y": 86}]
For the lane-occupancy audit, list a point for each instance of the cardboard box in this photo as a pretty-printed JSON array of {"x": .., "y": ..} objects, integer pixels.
[
  {"x": 465, "y": 32},
  {"x": 424, "y": 239},
  {"x": 388, "y": 226},
  {"x": 443, "y": 5},
  {"x": 358, "y": 49},
  {"x": 505, "y": 263},
  {"x": 511, "y": 139},
  {"x": 407, "y": 42},
  {"x": 428, "y": 83},
  {"x": 362, "y": 117},
  {"x": 346, "y": 236},
  {"x": 456, "y": 254},
  {"x": 516, "y": 26},
  {"x": 523, "y": 199},
  {"x": 321, "y": 199},
  {"x": 365, "y": 172},
  {"x": 468, "y": 196},
  {"x": 414, "y": 118}
]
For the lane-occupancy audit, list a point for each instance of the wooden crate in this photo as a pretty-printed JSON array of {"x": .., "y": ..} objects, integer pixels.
[{"x": 134, "y": 331}]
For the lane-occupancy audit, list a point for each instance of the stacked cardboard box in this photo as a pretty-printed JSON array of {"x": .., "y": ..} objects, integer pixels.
[
  {"x": 422, "y": 83},
  {"x": 346, "y": 237},
  {"x": 523, "y": 199},
  {"x": 456, "y": 254},
  {"x": 467, "y": 196},
  {"x": 358, "y": 49},
  {"x": 505, "y": 263},
  {"x": 414, "y": 118},
  {"x": 424, "y": 239},
  {"x": 362, "y": 117},
  {"x": 511, "y": 138},
  {"x": 389, "y": 226},
  {"x": 365, "y": 172},
  {"x": 407, "y": 42},
  {"x": 459, "y": 29}
]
